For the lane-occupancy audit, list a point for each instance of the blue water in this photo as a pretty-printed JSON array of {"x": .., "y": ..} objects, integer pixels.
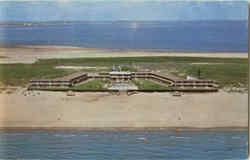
[
  {"x": 134, "y": 145},
  {"x": 162, "y": 35}
]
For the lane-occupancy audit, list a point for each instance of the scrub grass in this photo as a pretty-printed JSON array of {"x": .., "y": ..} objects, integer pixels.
[
  {"x": 226, "y": 71},
  {"x": 91, "y": 85},
  {"x": 232, "y": 74},
  {"x": 149, "y": 85}
]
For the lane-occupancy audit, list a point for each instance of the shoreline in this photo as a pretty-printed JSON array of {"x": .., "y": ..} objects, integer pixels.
[
  {"x": 29, "y": 54},
  {"x": 124, "y": 129},
  {"x": 24, "y": 46}
]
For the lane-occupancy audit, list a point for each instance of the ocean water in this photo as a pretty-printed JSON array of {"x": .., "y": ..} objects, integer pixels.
[
  {"x": 220, "y": 36},
  {"x": 129, "y": 145}
]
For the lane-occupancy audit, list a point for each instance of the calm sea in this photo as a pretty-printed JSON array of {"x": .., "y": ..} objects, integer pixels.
[
  {"x": 162, "y": 35},
  {"x": 134, "y": 145}
]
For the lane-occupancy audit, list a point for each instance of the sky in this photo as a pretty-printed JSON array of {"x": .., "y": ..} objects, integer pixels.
[{"x": 114, "y": 10}]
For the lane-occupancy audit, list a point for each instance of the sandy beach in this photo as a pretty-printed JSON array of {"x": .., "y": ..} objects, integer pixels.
[
  {"x": 143, "y": 110},
  {"x": 30, "y": 54},
  {"x": 98, "y": 110}
]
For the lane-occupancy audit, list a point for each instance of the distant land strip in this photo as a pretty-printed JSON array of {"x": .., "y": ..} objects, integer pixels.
[
  {"x": 103, "y": 50},
  {"x": 28, "y": 23}
]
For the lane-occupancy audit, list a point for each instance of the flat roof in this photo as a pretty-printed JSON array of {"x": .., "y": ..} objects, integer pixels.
[
  {"x": 64, "y": 78},
  {"x": 120, "y": 73}
]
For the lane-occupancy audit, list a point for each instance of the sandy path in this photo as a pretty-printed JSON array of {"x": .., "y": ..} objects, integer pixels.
[
  {"x": 29, "y": 54},
  {"x": 50, "y": 109}
]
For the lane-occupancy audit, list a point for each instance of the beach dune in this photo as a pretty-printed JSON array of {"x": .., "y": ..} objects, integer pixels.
[{"x": 30, "y": 54}]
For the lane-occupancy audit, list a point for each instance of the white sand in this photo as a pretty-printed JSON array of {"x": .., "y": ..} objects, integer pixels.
[
  {"x": 30, "y": 54},
  {"x": 51, "y": 109}
]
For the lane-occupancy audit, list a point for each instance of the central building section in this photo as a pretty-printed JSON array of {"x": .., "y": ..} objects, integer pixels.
[
  {"x": 120, "y": 80},
  {"x": 120, "y": 76}
]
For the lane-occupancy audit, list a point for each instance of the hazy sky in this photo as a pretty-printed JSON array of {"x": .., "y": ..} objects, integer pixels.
[{"x": 102, "y": 10}]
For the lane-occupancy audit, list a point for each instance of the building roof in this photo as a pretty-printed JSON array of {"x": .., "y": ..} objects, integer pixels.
[
  {"x": 64, "y": 78},
  {"x": 120, "y": 73}
]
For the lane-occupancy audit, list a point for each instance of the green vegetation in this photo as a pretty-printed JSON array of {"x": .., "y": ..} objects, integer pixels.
[
  {"x": 20, "y": 74},
  {"x": 91, "y": 85},
  {"x": 226, "y": 71},
  {"x": 149, "y": 85},
  {"x": 129, "y": 68},
  {"x": 228, "y": 74},
  {"x": 109, "y": 61}
]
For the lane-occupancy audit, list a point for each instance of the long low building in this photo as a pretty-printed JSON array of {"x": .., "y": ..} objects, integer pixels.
[
  {"x": 168, "y": 80},
  {"x": 67, "y": 81},
  {"x": 72, "y": 79}
]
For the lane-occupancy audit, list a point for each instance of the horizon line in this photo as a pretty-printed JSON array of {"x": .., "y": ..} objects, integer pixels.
[
  {"x": 123, "y": 1},
  {"x": 79, "y": 21}
]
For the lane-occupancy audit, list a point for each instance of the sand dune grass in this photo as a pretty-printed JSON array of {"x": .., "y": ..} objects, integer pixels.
[{"x": 227, "y": 71}]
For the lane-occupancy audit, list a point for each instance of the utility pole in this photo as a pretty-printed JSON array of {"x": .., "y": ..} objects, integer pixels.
[{"x": 199, "y": 73}]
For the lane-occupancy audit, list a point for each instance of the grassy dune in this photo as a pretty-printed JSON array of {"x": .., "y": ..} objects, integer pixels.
[
  {"x": 149, "y": 85},
  {"x": 226, "y": 71},
  {"x": 20, "y": 74},
  {"x": 228, "y": 74},
  {"x": 91, "y": 85}
]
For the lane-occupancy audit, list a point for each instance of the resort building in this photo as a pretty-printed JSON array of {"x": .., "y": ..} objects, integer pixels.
[
  {"x": 66, "y": 81},
  {"x": 124, "y": 80},
  {"x": 120, "y": 76}
]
